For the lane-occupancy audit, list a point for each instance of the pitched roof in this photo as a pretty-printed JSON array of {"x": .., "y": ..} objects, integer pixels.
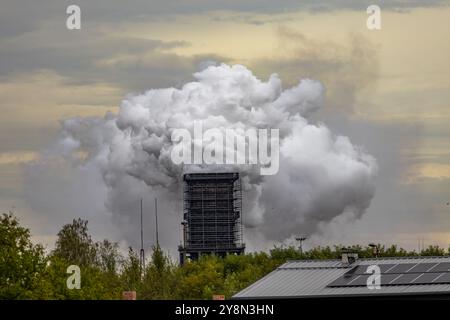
[{"x": 310, "y": 278}]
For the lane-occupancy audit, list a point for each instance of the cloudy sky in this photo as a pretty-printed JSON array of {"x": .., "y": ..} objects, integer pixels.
[{"x": 388, "y": 90}]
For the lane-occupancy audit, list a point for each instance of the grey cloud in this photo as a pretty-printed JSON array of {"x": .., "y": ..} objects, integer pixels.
[
  {"x": 397, "y": 207},
  {"x": 82, "y": 57},
  {"x": 19, "y": 16},
  {"x": 28, "y": 45},
  {"x": 347, "y": 69},
  {"x": 30, "y": 137}
]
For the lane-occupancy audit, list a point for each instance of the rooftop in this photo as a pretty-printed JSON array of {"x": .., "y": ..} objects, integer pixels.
[{"x": 312, "y": 278}]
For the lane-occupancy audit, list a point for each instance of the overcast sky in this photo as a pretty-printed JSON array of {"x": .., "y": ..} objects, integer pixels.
[{"x": 387, "y": 90}]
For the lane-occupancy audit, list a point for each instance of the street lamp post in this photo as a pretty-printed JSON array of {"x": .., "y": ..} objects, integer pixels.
[{"x": 300, "y": 240}]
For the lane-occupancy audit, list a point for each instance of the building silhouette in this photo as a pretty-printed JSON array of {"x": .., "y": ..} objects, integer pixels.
[{"x": 212, "y": 215}]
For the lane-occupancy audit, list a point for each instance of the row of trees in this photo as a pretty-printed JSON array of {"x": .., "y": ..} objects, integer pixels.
[{"x": 27, "y": 272}]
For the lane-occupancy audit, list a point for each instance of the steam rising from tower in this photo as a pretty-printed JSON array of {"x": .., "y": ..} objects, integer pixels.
[{"x": 110, "y": 162}]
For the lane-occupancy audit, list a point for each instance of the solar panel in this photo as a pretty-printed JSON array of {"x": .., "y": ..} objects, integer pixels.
[
  {"x": 426, "y": 278},
  {"x": 401, "y": 268},
  {"x": 384, "y": 267},
  {"x": 387, "y": 278},
  {"x": 398, "y": 274},
  {"x": 362, "y": 269},
  {"x": 358, "y": 281},
  {"x": 422, "y": 267},
  {"x": 405, "y": 278},
  {"x": 340, "y": 282},
  {"x": 441, "y": 267},
  {"x": 406, "y": 268},
  {"x": 354, "y": 281},
  {"x": 356, "y": 270},
  {"x": 443, "y": 278}
]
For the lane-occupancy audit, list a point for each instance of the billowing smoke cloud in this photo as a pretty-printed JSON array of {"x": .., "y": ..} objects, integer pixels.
[{"x": 321, "y": 176}]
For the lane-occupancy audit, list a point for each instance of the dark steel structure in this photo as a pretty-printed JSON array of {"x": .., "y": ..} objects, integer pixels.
[{"x": 212, "y": 215}]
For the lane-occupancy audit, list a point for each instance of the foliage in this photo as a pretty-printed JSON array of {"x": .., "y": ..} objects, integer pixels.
[
  {"x": 27, "y": 273},
  {"x": 160, "y": 278},
  {"x": 74, "y": 244},
  {"x": 21, "y": 262},
  {"x": 131, "y": 274}
]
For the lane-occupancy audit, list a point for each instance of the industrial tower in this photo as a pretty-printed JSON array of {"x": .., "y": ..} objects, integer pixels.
[{"x": 212, "y": 215}]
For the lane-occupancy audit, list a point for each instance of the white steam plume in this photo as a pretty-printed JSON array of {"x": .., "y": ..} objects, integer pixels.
[{"x": 321, "y": 176}]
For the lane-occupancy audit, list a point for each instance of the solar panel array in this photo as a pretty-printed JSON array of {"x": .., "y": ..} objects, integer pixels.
[{"x": 397, "y": 274}]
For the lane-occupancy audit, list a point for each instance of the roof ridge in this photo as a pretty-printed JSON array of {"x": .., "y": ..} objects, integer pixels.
[
  {"x": 407, "y": 258},
  {"x": 313, "y": 260},
  {"x": 379, "y": 258}
]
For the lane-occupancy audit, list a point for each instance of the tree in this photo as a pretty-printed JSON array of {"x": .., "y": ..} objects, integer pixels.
[
  {"x": 25, "y": 272},
  {"x": 98, "y": 264},
  {"x": 131, "y": 273},
  {"x": 109, "y": 260},
  {"x": 21, "y": 262},
  {"x": 108, "y": 256},
  {"x": 159, "y": 279},
  {"x": 433, "y": 251},
  {"x": 74, "y": 244},
  {"x": 201, "y": 279}
]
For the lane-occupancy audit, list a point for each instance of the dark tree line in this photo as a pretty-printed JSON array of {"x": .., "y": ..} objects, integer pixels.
[{"x": 27, "y": 272}]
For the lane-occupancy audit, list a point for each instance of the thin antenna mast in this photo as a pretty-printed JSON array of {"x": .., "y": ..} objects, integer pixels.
[
  {"x": 156, "y": 217},
  {"x": 142, "y": 252}
]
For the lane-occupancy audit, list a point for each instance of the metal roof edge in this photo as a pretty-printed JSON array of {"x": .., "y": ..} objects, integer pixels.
[
  {"x": 257, "y": 281},
  {"x": 344, "y": 295},
  {"x": 370, "y": 259}
]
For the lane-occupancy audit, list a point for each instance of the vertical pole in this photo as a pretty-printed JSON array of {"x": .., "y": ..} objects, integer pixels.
[
  {"x": 156, "y": 217},
  {"x": 142, "y": 252},
  {"x": 142, "y": 230}
]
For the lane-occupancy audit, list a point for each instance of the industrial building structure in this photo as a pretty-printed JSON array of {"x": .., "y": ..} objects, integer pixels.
[
  {"x": 212, "y": 215},
  {"x": 400, "y": 278}
]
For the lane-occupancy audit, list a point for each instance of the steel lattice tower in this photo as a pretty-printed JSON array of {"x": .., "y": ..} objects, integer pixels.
[{"x": 212, "y": 215}]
